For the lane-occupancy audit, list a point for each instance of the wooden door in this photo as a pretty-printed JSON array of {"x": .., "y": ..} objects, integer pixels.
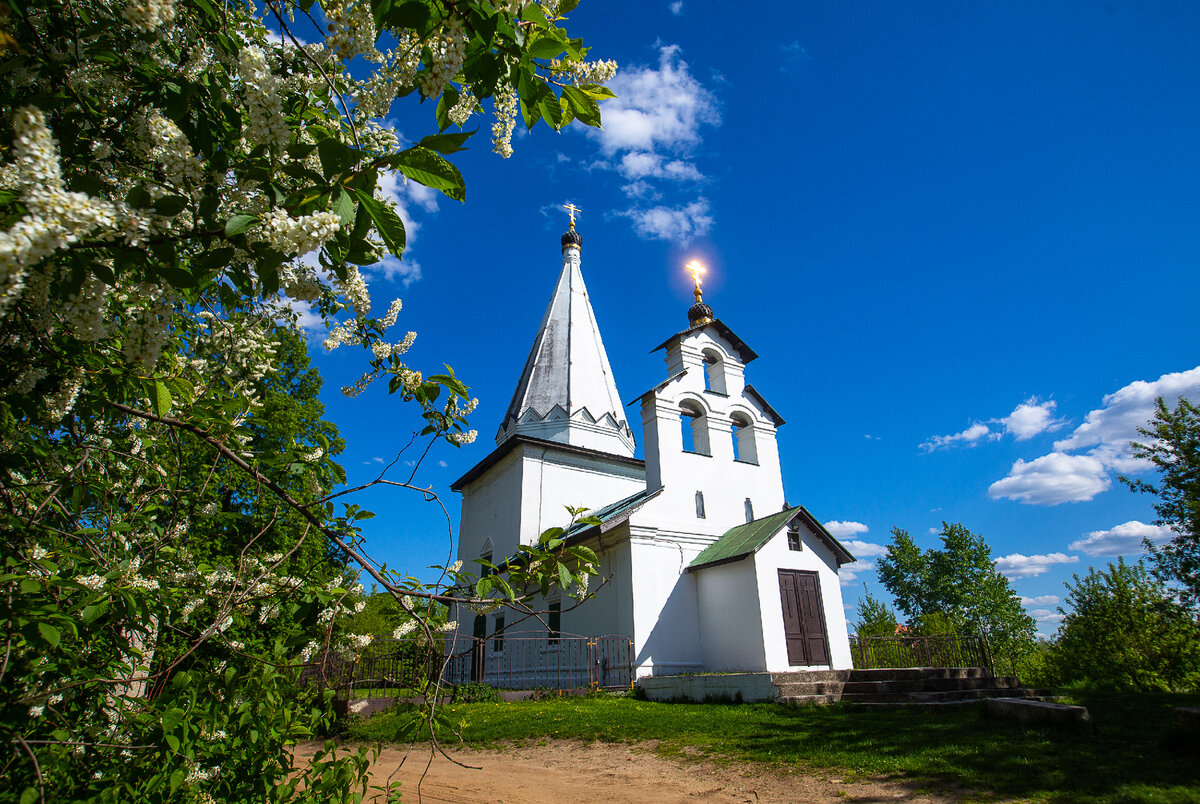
[{"x": 803, "y": 618}]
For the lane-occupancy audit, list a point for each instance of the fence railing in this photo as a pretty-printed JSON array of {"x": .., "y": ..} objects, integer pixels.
[
  {"x": 514, "y": 662},
  {"x": 520, "y": 662},
  {"x": 877, "y": 652}
]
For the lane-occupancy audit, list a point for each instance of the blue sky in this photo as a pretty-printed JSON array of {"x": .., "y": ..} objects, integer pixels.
[{"x": 962, "y": 237}]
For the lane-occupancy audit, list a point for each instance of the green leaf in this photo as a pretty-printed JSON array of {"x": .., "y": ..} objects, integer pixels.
[
  {"x": 483, "y": 586},
  {"x": 239, "y": 223},
  {"x": 446, "y": 143},
  {"x": 29, "y": 586},
  {"x": 564, "y": 576},
  {"x": 170, "y": 205},
  {"x": 387, "y": 222},
  {"x": 90, "y": 613},
  {"x": 50, "y": 633},
  {"x": 597, "y": 91},
  {"x": 547, "y": 47},
  {"x": 172, "y": 742},
  {"x": 336, "y": 157},
  {"x": 176, "y": 780},
  {"x": 344, "y": 208},
  {"x": 429, "y": 168},
  {"x": 585, "y": 109},
  {"x": 584, "y": 554},
  {"x": 162, "y": 398},
  {"x": 30, "y": 795}
]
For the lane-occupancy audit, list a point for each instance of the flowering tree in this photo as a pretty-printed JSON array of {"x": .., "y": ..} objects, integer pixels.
[{"x": 178, "y": 180}]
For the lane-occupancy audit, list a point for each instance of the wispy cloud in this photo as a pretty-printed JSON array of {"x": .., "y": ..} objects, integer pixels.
[
  {"x": 676, "y": 7},
  {"x": 843, "y": 530},
  {"x": 794, "y": 54},
  {"x": 1028, "y": 419},
  {"x": 678, "y": 224},
  {"x": 651, "y": 131},
  {"x": 1022, "y": 566},
  {"x": 1083, "y": 463},
  {"x": 1041, "y": 600},
  {"x": 1126, "y": 539}
]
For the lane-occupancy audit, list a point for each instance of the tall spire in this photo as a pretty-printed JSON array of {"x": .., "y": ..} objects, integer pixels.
[{"x": 567, "y": 392}]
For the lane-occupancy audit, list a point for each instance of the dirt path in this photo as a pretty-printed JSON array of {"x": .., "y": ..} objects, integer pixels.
[{"x": 565, "y": 771}]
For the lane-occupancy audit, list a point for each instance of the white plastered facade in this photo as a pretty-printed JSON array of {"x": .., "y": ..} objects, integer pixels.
[{"x": 680, "y": 618}]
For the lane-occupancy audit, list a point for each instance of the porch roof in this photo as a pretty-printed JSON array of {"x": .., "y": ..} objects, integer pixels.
[{"x": 743, "y": 540}]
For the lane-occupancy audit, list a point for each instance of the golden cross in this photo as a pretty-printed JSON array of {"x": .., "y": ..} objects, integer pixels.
[
  {"x": 571, "y": 210},
  {"x": 695, "y": 269}
]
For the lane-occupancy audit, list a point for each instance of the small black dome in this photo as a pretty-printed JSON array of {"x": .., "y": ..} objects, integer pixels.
[
  {"x": 572, "y": 238},
  {"x": 699, "y": 313}
]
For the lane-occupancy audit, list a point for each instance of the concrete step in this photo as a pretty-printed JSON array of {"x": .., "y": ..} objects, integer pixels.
[
  {"x": 789, "y": 688},
  {"x": 810, "y": 675}
]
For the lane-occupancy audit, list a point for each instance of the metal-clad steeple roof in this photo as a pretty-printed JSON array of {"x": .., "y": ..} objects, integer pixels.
[{"x": 567, "y": 392}]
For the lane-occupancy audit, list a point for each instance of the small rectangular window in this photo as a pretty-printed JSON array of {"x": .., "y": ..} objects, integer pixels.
[
  {"x": 554, "y": 621},
  {"x": 498, "y": 635},
  {"x": 794, "y": 542},
  {"x": 700, "y": 505},
  {"x": 749, "y": 510}
]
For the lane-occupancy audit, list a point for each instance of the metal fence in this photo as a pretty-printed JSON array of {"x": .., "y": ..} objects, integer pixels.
[
  {"x": 511, "y": 662},
  {"x": 878, "y": 652},
  {"x": 523, "y": 662}
]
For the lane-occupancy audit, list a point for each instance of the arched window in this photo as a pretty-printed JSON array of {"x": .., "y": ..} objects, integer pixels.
[
  {"x": 695, "y": 428},
  {"x": 714, "y": 372},
  {"x": 749, "y": 510},
  {"x": 744, "y": 449}
]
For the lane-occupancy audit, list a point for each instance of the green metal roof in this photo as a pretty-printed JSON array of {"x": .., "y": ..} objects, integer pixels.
[{"x": 745, "y": 539}]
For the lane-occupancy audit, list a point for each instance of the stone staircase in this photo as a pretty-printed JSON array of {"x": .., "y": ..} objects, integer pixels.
[{"x": 894, "y": 687}]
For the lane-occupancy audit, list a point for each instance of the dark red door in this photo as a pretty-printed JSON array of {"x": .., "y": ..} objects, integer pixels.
[{"x": 803, "y": 618}]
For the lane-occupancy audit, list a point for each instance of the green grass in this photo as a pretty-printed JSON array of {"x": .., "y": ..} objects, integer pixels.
[{"x": 1133, "y": 752}]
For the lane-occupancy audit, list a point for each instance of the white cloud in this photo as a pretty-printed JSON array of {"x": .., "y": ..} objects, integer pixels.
[
  {"x": 651, "y": 130},
  {"x": 1022, "y": 566},
  {"x": 848, "y": 573},
  {"x": 971, "y": 436},
  {"x": 1028, "y": 419},
  {"x": 676, "y": 7},
  {"x": 1046, "y": 616},
  {"x": 862, "y": 549},
  {"x": 641, "y": 189},
  {"x": 1123, "y": 539},
  {"x": 1063, "y": 476},
  {"x": 1031, "y": 418},
  {"x": 1041, "y": 600},
  {"x": 678, "y": 224},
  {"x": 841, "y": 530},
  {"x": 1052, "y": 479},
  {"x": 443, "y": 464},
  {"x": 1109, "y": 429},
  {"x": 793, "y": 54},
  {"x": 404, "y": 194},
  {"x": 661, "y": 108}
]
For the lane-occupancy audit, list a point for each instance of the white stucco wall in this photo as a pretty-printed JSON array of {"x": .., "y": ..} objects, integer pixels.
[
  {"x": 731, "y": 629},
  {"x": 815, "y": 557},
  {"x": 666, "y": 630}
]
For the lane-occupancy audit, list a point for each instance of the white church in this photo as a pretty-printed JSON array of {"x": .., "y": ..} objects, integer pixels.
[{"x": 708, "y": 568}]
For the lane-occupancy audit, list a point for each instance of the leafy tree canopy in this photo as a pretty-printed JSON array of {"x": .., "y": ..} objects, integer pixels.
[
  {"x": 1123, "y": 629},
  {"x": 959, "y": 581},
  {"x": 1173, "y": 446},
  {"x": 177, "y": 181}
]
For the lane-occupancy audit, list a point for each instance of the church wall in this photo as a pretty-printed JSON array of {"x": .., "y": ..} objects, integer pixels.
[
  {"x": 491, "y": 509},
  {"x": 731, "y": 630},
  {"x": 815, "y": 556},
  {"x": 557, "y": 479},
  {"x": 666, "y": 630}
]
